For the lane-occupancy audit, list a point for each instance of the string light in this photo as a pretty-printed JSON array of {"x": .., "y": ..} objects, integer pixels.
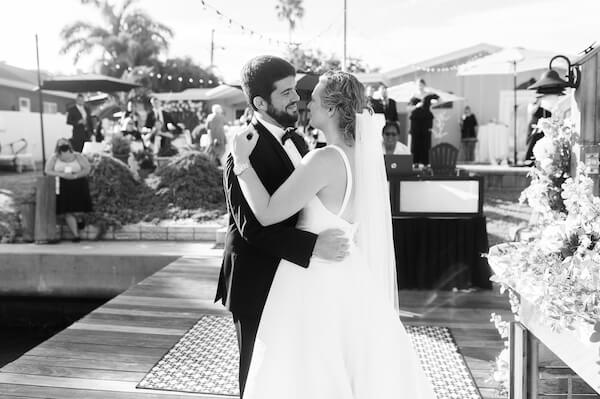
[
  {"x": 449, "y": 68},
  {"x": 243, "y": 28}
]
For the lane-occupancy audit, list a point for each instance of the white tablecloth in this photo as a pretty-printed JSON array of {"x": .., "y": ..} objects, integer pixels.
[
  {"x": 492, "y": 143},
  {"x": 90, "y": 147}
]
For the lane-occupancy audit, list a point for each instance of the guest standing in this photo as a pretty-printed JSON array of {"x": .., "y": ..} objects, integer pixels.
[
  {"x": 215, "y": 125},
  {"x": 468, "y": 133},
  {"x": 160, "y": 123},
  {"x": 80, "y": 117},
  {"x": 73, "y": 196},
  {"x": 536, "y": 112},
  {"x": 421, "y": 122},
  {"x": 384, "y": 105}
]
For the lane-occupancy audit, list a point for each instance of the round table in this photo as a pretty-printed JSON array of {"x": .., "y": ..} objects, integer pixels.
[{"x": 493, "y": 139}]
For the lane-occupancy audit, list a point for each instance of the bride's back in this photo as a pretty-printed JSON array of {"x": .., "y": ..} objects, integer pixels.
[{"x": 332, "y": 196}]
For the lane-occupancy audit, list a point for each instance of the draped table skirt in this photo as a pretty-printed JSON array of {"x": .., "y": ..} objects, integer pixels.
[{"x": 441, "y": 253}]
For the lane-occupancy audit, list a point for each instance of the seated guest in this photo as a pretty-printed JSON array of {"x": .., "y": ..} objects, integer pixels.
[
  {"x": 391, "y": 145},
  {"x": 73, "y": 196},
  {"x": 128, "y": 128}
]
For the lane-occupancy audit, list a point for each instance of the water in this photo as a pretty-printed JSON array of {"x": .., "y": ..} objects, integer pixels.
[{"x": 26, "y": 322}]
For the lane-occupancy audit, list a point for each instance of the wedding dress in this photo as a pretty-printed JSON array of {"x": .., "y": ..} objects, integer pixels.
[{"x": 328, "y": 332}]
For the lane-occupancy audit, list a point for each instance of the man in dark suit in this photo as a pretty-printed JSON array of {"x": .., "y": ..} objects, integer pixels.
[
  {"x": 80, "y": 117},
  {"x": 385, "y": 105},
  {"x": 160, "y": 123},
  {"x": 252, "y": 252}
]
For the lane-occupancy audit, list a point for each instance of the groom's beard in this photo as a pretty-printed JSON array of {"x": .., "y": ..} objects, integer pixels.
[{"x": 284, "y": 118}]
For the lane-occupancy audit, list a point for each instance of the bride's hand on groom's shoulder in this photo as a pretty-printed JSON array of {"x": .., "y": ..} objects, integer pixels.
[{"x": 243, "y": 144}]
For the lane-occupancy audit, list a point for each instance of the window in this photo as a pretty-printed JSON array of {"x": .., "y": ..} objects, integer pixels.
[
  {"x": 24, "y": 104},
  {"x": 50, "y": 108}
]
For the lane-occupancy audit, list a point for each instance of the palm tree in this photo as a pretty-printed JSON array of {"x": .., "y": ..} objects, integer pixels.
[
  {"x": 291, "y": 11},
  {"x": 126, "y": 36}
]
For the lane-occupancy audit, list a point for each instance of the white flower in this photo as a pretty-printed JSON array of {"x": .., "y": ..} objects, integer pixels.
[
  {"x": 544, "y": 149},
  {"x": 553, "y": 239}
]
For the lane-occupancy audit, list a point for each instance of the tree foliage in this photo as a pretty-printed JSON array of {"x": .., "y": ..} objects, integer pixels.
[
  {"x": 180, "y": 71},
  {"x": 317, "y": 61},
  {"x": 291, "y": 11},
  {"x": 125, "y": 35}
]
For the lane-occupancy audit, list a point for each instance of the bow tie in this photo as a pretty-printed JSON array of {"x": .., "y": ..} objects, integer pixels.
[{"x": 288, "y": 134}]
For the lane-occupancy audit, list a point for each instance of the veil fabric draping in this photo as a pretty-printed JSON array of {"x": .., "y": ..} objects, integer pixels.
[{"x": 372, "y": 205}]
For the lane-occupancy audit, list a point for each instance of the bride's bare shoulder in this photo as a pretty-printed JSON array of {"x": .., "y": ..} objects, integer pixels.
[
  {"x": 321, "y": 154},
  {"x": 322, "y": 158}
]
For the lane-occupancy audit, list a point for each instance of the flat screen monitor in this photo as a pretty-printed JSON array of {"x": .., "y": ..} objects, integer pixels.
[{"x": 440, "y": 197}]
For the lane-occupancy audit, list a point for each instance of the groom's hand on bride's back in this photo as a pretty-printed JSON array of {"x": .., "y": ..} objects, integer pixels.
[{"x": 332, "y": 244}]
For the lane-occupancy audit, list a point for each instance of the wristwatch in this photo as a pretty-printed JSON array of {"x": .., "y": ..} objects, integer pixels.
[{"x": 240, "y": 167}]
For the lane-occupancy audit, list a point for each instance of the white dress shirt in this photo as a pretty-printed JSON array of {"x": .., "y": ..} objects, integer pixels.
[
  {"x": 81, "y": 109},
  {"x": 277, "y": 132}
]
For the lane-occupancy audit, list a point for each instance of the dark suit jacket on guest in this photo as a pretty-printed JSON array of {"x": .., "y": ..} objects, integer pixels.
[
  {"x": 390, "y": 111},
  {"x": 253, "y": 252},
  {"x": 167, "y": 118},
  {"x": 82, "y": 132}
]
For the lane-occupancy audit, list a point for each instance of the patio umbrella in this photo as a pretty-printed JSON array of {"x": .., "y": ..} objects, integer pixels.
[
  {"x": 405, "y": 91},
  {"x": 509, "y": 61},
  {"x": 87, "y": 83},
  {"x": 109, "y": 112}
]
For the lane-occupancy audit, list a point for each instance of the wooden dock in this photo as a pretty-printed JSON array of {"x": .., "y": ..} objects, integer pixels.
[{"x": 106, "y": 353}]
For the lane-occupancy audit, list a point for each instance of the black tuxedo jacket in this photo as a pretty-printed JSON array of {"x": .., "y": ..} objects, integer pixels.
[
  {"x": 390, "y": 112},
  {"x": 73, "y": 117},
  {"x": 252, "y": 252},
  {"x": 167, "y": 118}
]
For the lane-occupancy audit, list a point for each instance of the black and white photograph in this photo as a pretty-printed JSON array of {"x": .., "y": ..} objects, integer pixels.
[{"x": 300, "y": 199}]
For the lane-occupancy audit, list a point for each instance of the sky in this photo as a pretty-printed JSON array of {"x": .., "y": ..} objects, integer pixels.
[{"x": 384, "y": 33}]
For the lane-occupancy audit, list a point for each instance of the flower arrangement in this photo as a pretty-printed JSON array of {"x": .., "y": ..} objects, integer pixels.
[
  {"x": 553, "y": 164},
  {"x": 559, "y": 270}
]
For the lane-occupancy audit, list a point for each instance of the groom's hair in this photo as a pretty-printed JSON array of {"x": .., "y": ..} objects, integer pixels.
[{"x": 260, "y": 74}]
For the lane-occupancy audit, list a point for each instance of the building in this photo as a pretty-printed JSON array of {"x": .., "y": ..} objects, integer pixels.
[
  {"x": 490, "y": 96},
  {"x": 18, "y": 92}
]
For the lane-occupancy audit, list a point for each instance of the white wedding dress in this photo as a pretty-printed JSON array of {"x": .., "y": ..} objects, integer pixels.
[{"x": 326, "y": 332}]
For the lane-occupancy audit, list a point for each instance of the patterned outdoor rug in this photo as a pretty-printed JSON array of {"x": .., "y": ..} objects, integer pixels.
[{"x": 205, "y": 360}]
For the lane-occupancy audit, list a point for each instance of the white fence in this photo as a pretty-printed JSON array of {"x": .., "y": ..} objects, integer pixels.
[{"x": 16, "y": 125}]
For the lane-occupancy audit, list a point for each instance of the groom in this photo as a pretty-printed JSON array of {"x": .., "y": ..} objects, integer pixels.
[{"x": 253, "y": 252}]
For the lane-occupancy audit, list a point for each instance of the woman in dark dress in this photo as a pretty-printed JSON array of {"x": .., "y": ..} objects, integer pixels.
[
  {"x": 421, "y": 122},
  {"x": 73, "y": 192}
]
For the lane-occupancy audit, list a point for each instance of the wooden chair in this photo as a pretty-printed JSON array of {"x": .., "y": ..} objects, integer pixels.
[{"x": 442, "y": 159}]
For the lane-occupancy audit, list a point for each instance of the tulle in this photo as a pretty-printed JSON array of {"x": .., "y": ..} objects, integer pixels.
[{"x": 372, "y": 206}]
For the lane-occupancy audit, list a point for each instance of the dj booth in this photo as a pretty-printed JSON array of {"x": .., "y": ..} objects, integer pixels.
[{"x": 439, "y": 229}]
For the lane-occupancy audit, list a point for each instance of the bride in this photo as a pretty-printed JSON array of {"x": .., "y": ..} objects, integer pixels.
[{"x": 332, "y": 330}]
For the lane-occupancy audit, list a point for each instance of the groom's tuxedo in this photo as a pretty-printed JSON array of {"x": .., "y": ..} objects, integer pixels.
[{"x": 253, "y": 252}]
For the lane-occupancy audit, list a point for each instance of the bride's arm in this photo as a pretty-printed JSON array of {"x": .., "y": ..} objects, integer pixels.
[{"x": 303, "y": 185}]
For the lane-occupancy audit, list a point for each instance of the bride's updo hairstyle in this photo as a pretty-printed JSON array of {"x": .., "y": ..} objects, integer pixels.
[{"x": 344, "y": 93}]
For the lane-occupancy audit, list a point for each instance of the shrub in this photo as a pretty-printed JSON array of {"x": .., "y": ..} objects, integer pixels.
[
  {"x": 118, "y": 198},
  {"x": 120, "y": 145},
  {"x": 192, "y": 181},
  {"x": 10, "y": 227}
]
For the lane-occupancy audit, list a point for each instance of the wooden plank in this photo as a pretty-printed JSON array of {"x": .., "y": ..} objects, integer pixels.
[
  {"x": 97, "y": 364},
  {"x": 48, "y": 392},
  {"x": 73, "y": 372},
  {"x": 115, "y": 338}
]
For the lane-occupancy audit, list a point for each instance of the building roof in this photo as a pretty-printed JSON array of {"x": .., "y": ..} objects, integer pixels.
[
  {"x": 24, "y": 79},
  {"x": 446, "y": 59},
  {"x": 588, "y": 53}
]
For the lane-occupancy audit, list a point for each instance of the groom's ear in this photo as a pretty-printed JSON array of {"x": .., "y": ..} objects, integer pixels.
[
  {"x": 260, "y": 103},
  {"x": 331, "y": 112}
]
